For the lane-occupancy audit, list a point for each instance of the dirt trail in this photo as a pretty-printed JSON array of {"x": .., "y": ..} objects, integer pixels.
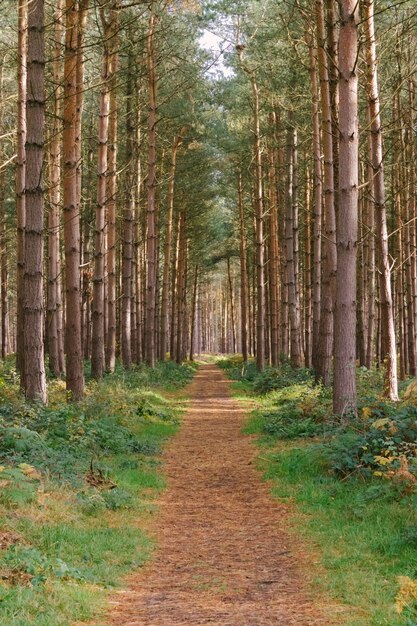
[{"x": 223, "y": 554}]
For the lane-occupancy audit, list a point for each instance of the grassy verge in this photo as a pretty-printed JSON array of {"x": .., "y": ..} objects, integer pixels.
[
  {"x": 352, "y": 485},
  {"x": 77, "y": 487}
]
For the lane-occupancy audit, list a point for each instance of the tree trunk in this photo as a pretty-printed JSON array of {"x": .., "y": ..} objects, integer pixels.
[
  {"x": 178, "y": 340},
  {"x": 193, "y": 313},
  {"x": 111, "y": 185},
  {"x": 387, "y": 316},
  {"x": 174, "y": 290},
  {"x": 73, "y": 339},
  {"x": 128, "y": 222},
  {"x": 35, "y": 378},
  {"x": 85, "y": 313},
  {"x": 232, "y": 307},
  {"x": 317, "y": 202},
  {"x": 55, "y": 320},
  {"x": 344, "y": 386},
  {"x": 150, "y": 348},
  {"x": 168, "y": 244},
  {"x": 308, "y": 278},
  {"x": 291, "y": 249},
  {"x": 98, "y": 313},
  {"x": 274, "y": 249},
  {"x": 243, "y": 272},
  {"x": 329, "y": 251},
  {"x": 21, "y": 183},
  {"x": 259, "y": 237}
]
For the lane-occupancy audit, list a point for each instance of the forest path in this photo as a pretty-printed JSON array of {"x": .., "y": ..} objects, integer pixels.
[{"x": 224, "y": 556}]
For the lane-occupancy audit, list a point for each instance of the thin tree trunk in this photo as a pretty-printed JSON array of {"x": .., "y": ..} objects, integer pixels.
[
  {"x": 193, "y": 313},
  {"x": 308, "y": 278},
  {"x": 318, "y": 201},
  {"x": 151, "y": 186},
  {"x": 291, "y": 249},
  {"x": 73, "y": 339},
  {"x": 111, "y": 186},
  {"x": 178, "y": 340},
  {"x": 98, "y": 334},
  {"x": 174, "y": 290},
  {"x": 55, "y": 321},
  {"x": 168, "y": 244},
  {"x": 243, "y": 272},
  {"x": 370, "y": 262},
  {"x": 387, "y": 317},
  {"x": 274, "y": 249},
  {"x": 232, "y": 306},
  {"x": 4, "y": 278},
  {"x": 329, "y": 251},
  {"x": 82, "y": 24},
  {"x": 259, "y": 235},
  {"x": 21, "y": 183},
  {"x": 128, "y": 222}
]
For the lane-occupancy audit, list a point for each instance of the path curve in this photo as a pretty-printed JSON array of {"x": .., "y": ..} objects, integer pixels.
[{"x": 223, "y": 554}]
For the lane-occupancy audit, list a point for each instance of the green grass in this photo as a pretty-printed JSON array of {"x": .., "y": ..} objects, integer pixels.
[
  {"x": 364, "y": 528},
  {"x": 78, "y": 483},
  {"x": 361, "y": 530}
]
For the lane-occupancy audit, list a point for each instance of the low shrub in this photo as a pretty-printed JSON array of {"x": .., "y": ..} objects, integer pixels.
[
  {"x": 237, "y": 369},
  {"x": 299, "y": 410},
  {"x": 379, "y": 442},
  {"x": 280, "y": 377}
]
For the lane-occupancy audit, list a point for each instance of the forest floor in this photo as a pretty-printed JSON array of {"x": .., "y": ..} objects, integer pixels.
[{"x": 224, "y": 554}]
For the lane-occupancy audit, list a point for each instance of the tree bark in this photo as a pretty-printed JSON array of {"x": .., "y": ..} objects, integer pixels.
[
  {"x": 193, "y": 313},
  {"x": 98, "y": 313},
  {"x": 274, "y": 247},
  {"x": 55, "y": 315},
  {"x": 344, "y": 386},
  {"x": 111, "y": 185},
  {"x": 21, "y": 183},
  {"x": 35, "y": 378},
  {"x": 168, "y": 244},
  {"x": 317, "y": 204},
  {"x": 329, "y": 250},
  {"x": 150, "y": 347},
  {"x": 73, "y": 339},
  {"x": 128, "y": 222},
  {"x": 243, "y": 272},
  {"x": 259, "y": 236},
  {"x": 387, "y": 316},
  {"x": 291, "y": 248}
]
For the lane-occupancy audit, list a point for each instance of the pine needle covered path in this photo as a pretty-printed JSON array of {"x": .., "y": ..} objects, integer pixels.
[{"x": 223, "y": 554}]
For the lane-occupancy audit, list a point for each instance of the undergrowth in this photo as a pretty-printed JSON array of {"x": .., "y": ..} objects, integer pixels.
[
  {"x": 76, "y": 479},
  {"x": 353, "y": 483}
]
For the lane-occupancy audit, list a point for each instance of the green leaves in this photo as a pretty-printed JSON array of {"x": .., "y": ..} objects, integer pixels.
[{"x": 38, "y": 568}]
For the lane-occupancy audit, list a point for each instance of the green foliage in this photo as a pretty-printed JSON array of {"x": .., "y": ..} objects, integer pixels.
[
  {"x": 60, "y": 439},
  {"x": 167, "y": 374},
  {"x": 75, "y": 482},
  {"x": 117, "y": 498},
  {"x": 365, "y": 531},
  {"x": 280, "y": 377},
  {"x": 376, "y": 443},
  {"x": 299, "y": 410},
  {"x": 33, "y": 567},
  {"x": 352, "y": 494},
  {"x": 236, "y": 369}
]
